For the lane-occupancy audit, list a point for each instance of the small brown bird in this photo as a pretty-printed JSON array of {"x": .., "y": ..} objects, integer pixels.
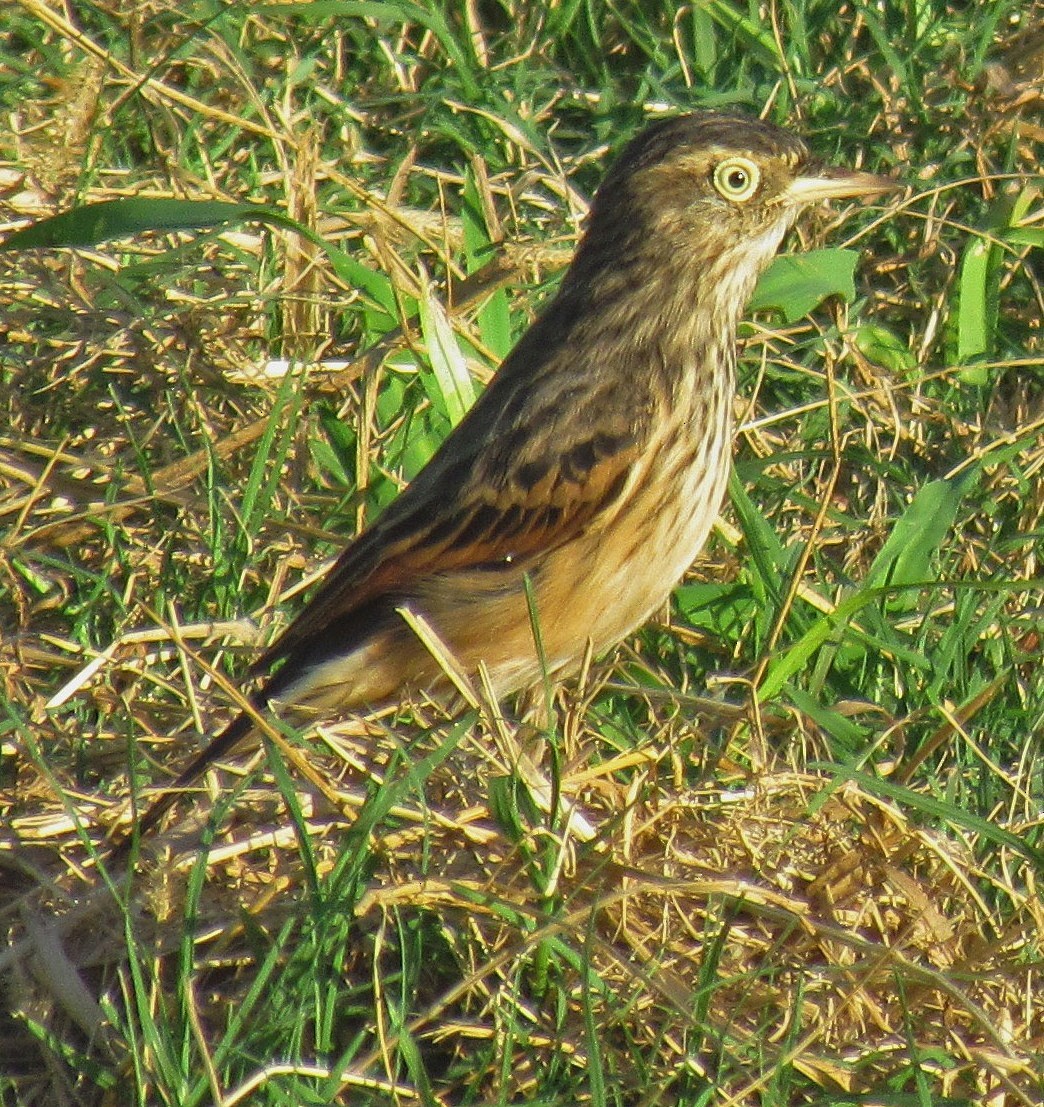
[{"x": 595, "y": 462}]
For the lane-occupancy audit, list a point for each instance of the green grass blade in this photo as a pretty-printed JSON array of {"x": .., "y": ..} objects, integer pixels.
[
  {"x": 392, "y": 13},
  {"x": 92, "y": 224},
  {"x": 907, "y": 555},
  {"x": 933, "y": 808},
  {"x": 455, "y": 391}
]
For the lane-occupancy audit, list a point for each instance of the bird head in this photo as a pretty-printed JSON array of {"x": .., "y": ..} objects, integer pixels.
[
  {"x": 723, "y": 176},
  {"x": 696, "y": 206}
]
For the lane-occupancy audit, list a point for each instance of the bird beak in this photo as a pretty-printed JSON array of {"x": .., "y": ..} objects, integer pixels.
[{"x": 830, "y": 182}]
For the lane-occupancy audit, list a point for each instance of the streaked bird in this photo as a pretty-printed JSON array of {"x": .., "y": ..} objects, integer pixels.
[{"x": 595, "y": 462}]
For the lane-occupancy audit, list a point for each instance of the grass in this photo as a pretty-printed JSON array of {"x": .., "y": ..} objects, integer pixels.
[{"x": 800, "y": 854}]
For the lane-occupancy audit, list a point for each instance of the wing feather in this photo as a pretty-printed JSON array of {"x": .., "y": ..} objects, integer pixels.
[
  {"x": 432, "y": 529},
  {"x": 521, "y": 474}
]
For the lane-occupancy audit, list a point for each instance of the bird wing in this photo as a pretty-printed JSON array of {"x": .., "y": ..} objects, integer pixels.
[{"x": 483, "y": 500}]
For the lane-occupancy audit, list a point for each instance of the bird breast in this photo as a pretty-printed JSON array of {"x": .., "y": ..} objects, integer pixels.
[{"x": 676, "y": 498}]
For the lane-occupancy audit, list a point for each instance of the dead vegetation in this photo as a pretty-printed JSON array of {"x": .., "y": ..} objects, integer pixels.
[{"x": 811, "y": 896}]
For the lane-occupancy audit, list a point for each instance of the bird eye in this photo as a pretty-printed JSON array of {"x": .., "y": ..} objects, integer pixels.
[{"x": 737, "y": 179}]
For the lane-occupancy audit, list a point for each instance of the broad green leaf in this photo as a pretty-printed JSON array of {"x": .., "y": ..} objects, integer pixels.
[
  {"x": 882, "y": 347},
  {"x": 799, "y": 656},
  {"x": 894, "y": 58},
  {"x": 795, "y": 284},
  {"x": 977, "y": 302},
  {"x": 704, "y": 40},
  {"x": 717, "y": 608},
  {"x": 1025, "y": 236},
  {"x": 979, "y": 288},
  {"x": 376, "y": 285},
  {"x": 850, "y": 735},
  {"x": 335, "y": 453}
]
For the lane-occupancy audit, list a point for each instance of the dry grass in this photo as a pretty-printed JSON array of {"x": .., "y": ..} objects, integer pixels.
[
  {"x": 796, "y": 921},
  {"x": 827, "y": 891}
]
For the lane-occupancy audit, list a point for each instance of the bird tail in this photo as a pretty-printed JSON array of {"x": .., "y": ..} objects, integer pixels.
[{"x": 226, "y": 740}]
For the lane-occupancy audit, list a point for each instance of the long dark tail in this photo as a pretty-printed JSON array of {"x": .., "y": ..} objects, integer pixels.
[{"x": 225, "y": 741}]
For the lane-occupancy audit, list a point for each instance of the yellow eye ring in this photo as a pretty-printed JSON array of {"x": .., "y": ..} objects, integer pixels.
[{"x": 737, "y": 179}]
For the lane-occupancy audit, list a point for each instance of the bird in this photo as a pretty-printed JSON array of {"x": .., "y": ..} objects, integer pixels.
[{"x": 587, "y": 476}]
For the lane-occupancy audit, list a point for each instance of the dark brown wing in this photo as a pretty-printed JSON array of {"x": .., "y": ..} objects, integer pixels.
[
  {"x": 546, "y": 448},
  {"x": 458, "y": 514}
]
